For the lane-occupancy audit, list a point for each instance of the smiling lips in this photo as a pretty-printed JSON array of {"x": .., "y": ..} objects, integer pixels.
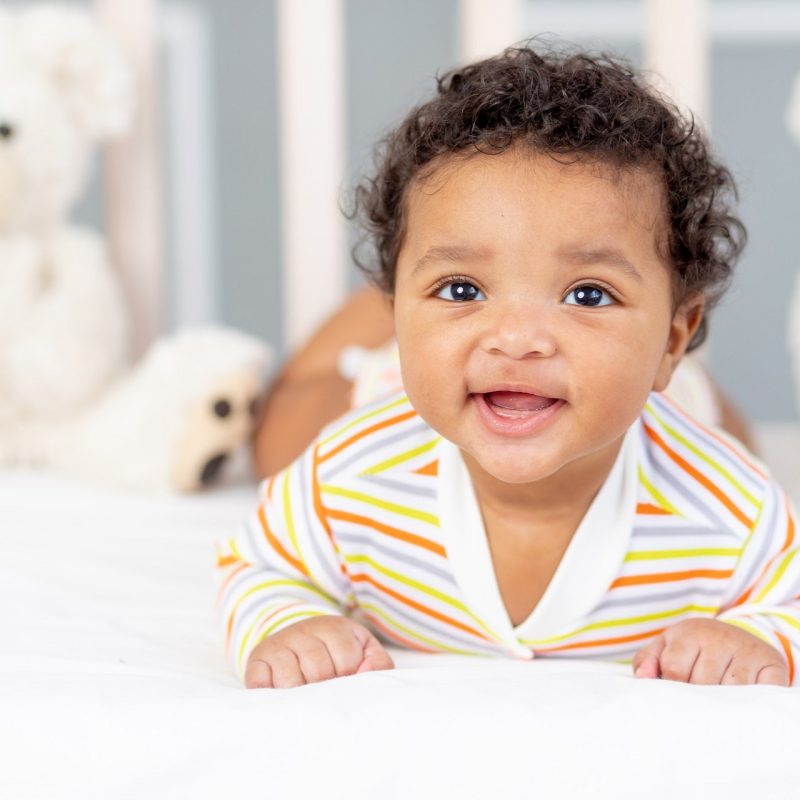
[{"x": 515, "y": 413}]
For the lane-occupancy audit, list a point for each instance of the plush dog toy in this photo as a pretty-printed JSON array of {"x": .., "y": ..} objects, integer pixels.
[{"x": 69, "y": 397}]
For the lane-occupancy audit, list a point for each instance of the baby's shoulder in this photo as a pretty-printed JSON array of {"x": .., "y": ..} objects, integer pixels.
[
  {"x": 375, "y": 437},
  {"x": 698, "y": 473}
]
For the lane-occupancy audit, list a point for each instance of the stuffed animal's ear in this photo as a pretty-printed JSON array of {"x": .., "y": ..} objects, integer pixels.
[{"x": 84, "y": 64}]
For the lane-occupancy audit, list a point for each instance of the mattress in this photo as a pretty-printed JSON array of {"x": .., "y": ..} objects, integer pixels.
[{"x": 113, "y": 685}]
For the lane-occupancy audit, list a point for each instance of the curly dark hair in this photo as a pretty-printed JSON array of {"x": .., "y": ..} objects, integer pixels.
[{"x": 569, "y": 105}]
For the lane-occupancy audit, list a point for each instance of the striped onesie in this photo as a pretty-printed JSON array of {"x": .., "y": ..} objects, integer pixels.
[{"x": 378, "y": 519}]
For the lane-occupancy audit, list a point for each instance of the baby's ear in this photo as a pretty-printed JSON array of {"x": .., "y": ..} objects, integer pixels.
[
  {"x": 83, "y": 64},
  {"x": 685, "y": 323}
]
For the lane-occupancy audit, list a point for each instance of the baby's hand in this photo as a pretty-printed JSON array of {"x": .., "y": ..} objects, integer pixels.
[
  {"x": 712, "y": 652},
  {"x": 312, "y": 650}
]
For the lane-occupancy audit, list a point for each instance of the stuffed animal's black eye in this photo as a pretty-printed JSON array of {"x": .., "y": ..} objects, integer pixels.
[{"x": 6, "y": 131}]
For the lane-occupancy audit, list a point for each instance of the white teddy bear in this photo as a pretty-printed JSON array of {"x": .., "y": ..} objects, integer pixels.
[{"x": 68, "y": 396}]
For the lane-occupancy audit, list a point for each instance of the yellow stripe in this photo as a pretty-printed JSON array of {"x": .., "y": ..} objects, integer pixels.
[
  {"x": 413, "y": 634},
  {"x": 451, "y": 601},
  {"x": 235, "y": 550},
  {"x": 786, "y": 618},
  {"x": 266, "y": 632},
  {"x": 701, "y": 455},
  {"x": 644, "y": 555},
  {"x": 750, "y": 629},
  {"x": 391, "y": 462},
  {"x": 657, "y": 496},
  {"x": 363, "y": 418},
  {"x": 776, "y": 577},
  {"x": 286, "y": 582},
  {"x": 287, "y": 508},
  {"x": 613, "y": 623},
  {"x": 413, "y": 513}
]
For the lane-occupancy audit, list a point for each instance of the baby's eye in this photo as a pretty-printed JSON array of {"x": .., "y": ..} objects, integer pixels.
[
  {"x": 588, "y": 296},
  {"x": 460, "y": 291}
]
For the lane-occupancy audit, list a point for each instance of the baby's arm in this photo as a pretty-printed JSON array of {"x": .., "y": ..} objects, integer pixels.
[
  {"x": 756, "y": 637},
  {"x": 309, "y": 392},
  {"x": 283, "y": 591}
]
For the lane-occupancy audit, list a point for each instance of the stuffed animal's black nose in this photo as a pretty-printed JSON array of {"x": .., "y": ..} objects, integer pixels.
[
  {"x": 212, "y": 468},
  {"x": 222, "y": 408}
]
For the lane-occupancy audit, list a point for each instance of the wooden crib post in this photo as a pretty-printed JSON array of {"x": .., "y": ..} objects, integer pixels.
[{"x": 132, "y": 177}]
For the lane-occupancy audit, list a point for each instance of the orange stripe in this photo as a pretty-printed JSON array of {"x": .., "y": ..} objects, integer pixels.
[
  {"x": 429, "y": 469},
  {"x": 600, "y": 642},
  {"x": 319, "y": 509},
  {"x": 395, "y": 637},
  {"x": 269, "y": 487},
  {"x": 361, "y": 434},
  {"x": 364, "y": 578},
  {"x": 666, "y": 577},
  {"x": 243, "y": 565},
  {"x": 699, "y": 477},
  {"x": 649, "y": 508},
  {"x": 226, "y": 561},
  {"x": 789, "y": 528},
  {"x": 744, "y": 596},
  {"x": 277, "y": 546},
  {"x": 786, "y": 545},
  {"x": 272, "y": 614},
  {"x": 727, "y": 445},
  {"x": 395, "y": 533},
  {"x": 787, "y": 650}
]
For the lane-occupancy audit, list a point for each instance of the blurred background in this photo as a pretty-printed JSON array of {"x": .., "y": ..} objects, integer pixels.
[{"x": 267, "y": 111}]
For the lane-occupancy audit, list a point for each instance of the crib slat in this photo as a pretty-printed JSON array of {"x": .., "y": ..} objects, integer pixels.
[
  {"x": 312, "y": 156},
  {"x": 133, "y": 186}
]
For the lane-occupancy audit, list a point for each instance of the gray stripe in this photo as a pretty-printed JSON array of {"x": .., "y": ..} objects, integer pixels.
[
  {"x": 687, "y": 593},
  {"x": 363, "y": 539},
  {"x": 371, "y": 446},
  {"x": 684, "y": 492},
  {"x": 419, "y": 622},
  {"x": 335, "y": 577},
  {"x": 399, "y": 486},
  {"x": 676, "y": 530},
  {"x": 763, "y": 531},
  {"x": 723, "y": 455}
]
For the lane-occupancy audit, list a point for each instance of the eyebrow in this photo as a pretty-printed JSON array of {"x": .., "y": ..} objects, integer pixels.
[
  {"x": 601, "y": 255},
  {"x": 452, "y": 253}
]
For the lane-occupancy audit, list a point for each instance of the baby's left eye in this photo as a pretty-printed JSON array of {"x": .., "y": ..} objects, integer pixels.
[{"x": 588, "y": 296}]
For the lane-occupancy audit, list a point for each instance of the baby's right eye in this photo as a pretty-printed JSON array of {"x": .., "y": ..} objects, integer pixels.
[{"x": 460, "y": 291}]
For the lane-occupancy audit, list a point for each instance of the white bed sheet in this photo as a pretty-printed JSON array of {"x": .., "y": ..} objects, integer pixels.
[{"x": 113, "y": 685}]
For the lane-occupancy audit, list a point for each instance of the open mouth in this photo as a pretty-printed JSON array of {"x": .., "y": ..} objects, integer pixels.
[
  {"x": 514, "y": 413},
  {"x": 516, "y": 404}
]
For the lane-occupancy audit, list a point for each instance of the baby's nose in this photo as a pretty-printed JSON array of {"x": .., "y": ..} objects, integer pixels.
[{"x": 521, "y": 331}]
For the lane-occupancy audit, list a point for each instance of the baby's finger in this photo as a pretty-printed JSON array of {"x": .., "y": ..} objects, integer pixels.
[
  {"x": 258, "y": 675},
  {"x": 375, "y": 656},
  {"x": 774, "y": 674},
  {"x": 646, "y": 661},
  {"x": 678, "y": 659},
  {"x": 286, "y": 672},
  {"x": 346, "y": 650},
  {"x": 315, "y": 661},
  {"x": 740, "y": 672},
  {"x": 709, "y": 667}
]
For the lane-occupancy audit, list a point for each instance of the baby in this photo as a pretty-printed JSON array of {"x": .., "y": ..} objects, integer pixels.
[{"x": 552, "y": 235}]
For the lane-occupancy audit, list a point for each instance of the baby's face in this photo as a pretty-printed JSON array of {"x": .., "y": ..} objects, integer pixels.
[{"x": 533, "y": 311}]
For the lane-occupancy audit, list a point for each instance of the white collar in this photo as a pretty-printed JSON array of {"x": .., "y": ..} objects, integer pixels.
[{"x": 587, "y": 568}]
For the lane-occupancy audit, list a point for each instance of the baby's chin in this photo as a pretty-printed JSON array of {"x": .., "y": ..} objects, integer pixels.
[{"x": 507, "y": 466}]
